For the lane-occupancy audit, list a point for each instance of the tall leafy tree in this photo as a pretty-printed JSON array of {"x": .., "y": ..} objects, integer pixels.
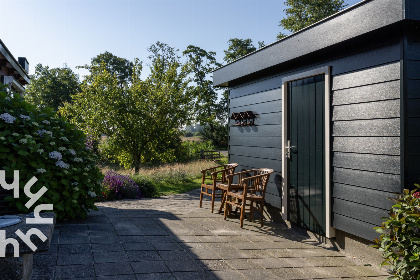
[
  {"x": 302, "y": 13},
  {"x": 121, "y": 67},
  {"x": 142, "y": 118},
  {"x": 208, "y": 111},
  {"x": 201, "y": 64},
  {"x": 238, "y": 48},
  {"x": 52, "y": 87}
]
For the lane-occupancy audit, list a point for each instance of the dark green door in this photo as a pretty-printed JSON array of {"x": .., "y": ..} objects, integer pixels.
[{"x": 306, "y": 157}]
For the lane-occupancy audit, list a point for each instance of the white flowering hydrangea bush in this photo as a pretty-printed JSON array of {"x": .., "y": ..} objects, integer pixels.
[{"x": 37, "y": 143}]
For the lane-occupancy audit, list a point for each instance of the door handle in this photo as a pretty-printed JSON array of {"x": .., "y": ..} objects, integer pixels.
[{"x": 288, "y": 149}]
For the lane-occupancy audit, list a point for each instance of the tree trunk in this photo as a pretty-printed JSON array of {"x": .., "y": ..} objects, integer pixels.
[{"x": 137, "y": 163}]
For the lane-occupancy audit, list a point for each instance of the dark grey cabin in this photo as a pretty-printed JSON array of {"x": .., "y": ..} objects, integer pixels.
[{"x": 337, "y": 110}]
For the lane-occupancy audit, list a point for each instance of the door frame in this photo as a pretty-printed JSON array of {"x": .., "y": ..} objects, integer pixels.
[{"x": 326, "y": 70}]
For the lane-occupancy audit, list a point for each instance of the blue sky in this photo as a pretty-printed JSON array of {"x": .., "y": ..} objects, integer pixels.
[{"x": 54, "y": 32}]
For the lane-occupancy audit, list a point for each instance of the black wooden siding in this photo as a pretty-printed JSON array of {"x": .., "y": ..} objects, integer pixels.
[
  {"x": 259, "y": 146},
  {"x": 366, "y": 146},
  {"x": 412, "y": 133},
  {"x": 365, "y": 134}
]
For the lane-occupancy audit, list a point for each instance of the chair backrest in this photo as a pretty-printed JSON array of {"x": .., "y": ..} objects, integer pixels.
[
  {"x": 236, "y": 178},
  {"x": 228, "y": 170},
  {"x": 258, "y": 182},
  {"x": 219, "y": 173}
]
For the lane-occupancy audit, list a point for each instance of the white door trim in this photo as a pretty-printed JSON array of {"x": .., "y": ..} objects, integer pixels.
[{"x": 329, "y": 230}]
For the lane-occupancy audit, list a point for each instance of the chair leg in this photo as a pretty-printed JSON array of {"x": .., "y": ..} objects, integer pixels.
[
  {"x": 212, "y": 199},
  {"x": 201, "y": 197},
  {"x": 242, "y": 215},
  {"x": 226, "y": 210},
  {"x": 223, "y": 201},
  {"x": 262, "y": 213},
  {"x": 251, "y": 209}
]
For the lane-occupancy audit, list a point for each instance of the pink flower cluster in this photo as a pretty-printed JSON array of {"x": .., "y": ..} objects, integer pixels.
[{"x": 416, "y": 195}]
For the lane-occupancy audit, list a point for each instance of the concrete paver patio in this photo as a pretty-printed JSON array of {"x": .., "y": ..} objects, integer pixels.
[{"x": 171, "y": 238}]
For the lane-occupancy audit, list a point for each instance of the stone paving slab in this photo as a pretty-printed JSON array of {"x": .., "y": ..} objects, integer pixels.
[{"x": 172, "y": 238}]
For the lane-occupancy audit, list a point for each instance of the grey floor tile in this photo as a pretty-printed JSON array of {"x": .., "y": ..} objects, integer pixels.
[
  {"x": 265, "y": 274},
  {"x": 187, "y": 239},
  {"x": 118, "y": 277},
  {"x": 228, "y": 254},
  {"x": 45, "y": 260},
  {"x": 213, "y": 265},
  {"x": 272, "y": 263},
  {"x": 43, "y": 272},
  {"x": 193, "y": 275},
  {"x": 161, "y": 239},
  {"x": 174, "y": 255},
  {"x": 74, "y": 240},
  {"x": 229, "y": 275},
  {"x": 204, "y": 254},
  {"x": 143, "y": 246},
  {"x": 246, "y": 245},
  {"x": 133, "y": 238},
  {"x": 149, "y": 267},
  {"x": 110, "y": 257},
  {"x": 72, "y": 259},
  {"x": 100, "y": 227},
  {"x": 241, "y": 264},
  {"x": 113, "y": 269},
  {"x": 136, "y": 256},
  {"x": 129, "y": 232},
  {"x": 183, "y": 266},
  {"x": 167, "y": 246},
  {"x": 104, "y": 247},
  {"x": 74, "y": 271},
  {"x": 105, "y": 239},
  {"x": 289, "y": 273},
  {"x": 74, "y": 249},
  {"x": 155, "y": 276}
]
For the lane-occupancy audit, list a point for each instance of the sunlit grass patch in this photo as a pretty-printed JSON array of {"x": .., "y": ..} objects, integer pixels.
[{"x": 167, "y": 179}]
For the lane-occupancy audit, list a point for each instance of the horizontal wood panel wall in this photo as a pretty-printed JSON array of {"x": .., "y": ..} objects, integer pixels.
[
  {"x": 260, "y": 145},
  {"x": 412, "y": 133},
  {"x": 366, "y": 146},
  {"x": 365, "y": 134}
]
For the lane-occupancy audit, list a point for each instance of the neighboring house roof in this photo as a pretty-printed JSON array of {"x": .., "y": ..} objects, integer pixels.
[
  {"x": 9, "y": 66},
  {"x": 360, "y": 19}
]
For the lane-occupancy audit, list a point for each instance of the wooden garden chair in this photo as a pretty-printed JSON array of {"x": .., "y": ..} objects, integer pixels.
[
  {"x": 233, "y": 186},
  {"x": 217, "y": 175},
  {"x": 248, "y": 190}
]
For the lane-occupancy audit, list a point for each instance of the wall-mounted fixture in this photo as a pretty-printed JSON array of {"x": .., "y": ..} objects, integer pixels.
[
  {"x": 243, "y": 118},
  {"x": 237, "y": 118},
  {"x": 250, "y": 117}
]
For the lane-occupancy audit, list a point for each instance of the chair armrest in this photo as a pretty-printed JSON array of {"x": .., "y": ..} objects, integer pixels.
[
  {"x": 218, "y": 171},
  {"x": 239, "y": 173},
  {"x": 256, "y": 176},
  {"x": 211, "y": 168}
]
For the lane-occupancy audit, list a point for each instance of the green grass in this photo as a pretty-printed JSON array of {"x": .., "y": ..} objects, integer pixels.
[
  {"x": 170, "y": 178},
  {"x": 178, "y": 187}
]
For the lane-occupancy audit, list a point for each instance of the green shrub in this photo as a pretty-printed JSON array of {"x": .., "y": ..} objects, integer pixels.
[
  {"x": 39, "y": 144},
  {"x": 146, "y": 186},
  {"x": 109, "y": 152},
  {"x": 219, "y": 136},
  {"x": 191, "y": 149},
  {"x": 400, "y": 236}
]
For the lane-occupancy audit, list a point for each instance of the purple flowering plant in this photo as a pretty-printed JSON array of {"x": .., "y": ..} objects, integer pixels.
[{"x": 118, "y": 186}]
